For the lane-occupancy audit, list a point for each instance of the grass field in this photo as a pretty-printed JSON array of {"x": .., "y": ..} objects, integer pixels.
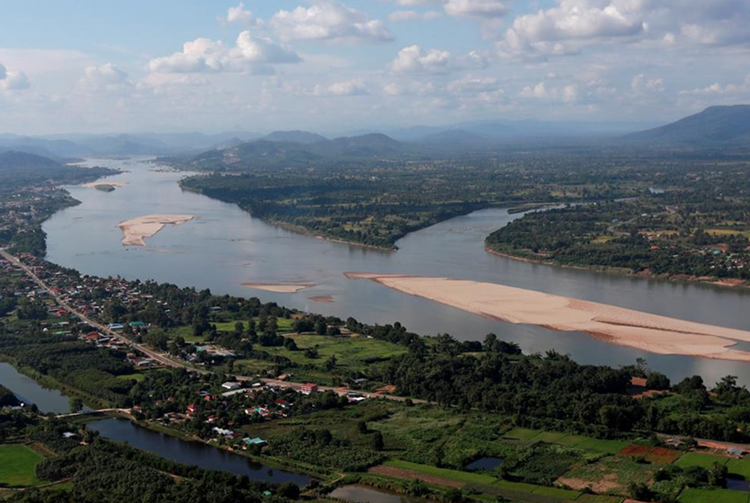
[
  {"x": 739, "y": 467},
  {"x": 551, "y": 437},
  {"x": 466, "y": 477},
  {"x": 729, "y": 232},
  {"x": 606, "y": 446},
  {"x": 18, "y": 466},
  {"x": 522, "y": 434},
  {"x": 691, "y": 495},
  {"x": 136, "y": 376},
  {"x": 702, "y": 460},
  {"x": 611, "y": 474}
]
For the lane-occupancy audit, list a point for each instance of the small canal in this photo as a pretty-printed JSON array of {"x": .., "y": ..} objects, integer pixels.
[
  {"x": 192, "y": 453},
  {"x": 30, "y": 392},
  {"x": 363, "y": 494}
]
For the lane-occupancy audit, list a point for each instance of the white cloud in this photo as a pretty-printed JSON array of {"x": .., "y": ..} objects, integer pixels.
[
  {"x": 477, "y": 8},
  {"x": 540, "y": 91},
  {"x": 12, "y": 80},
  {"x": 327, "y": 20},
  {"x": 716, "y": 89},
  {"x": 414, "y": 59},
  {"x": 470, "y": 84},
  {"x": 104, "y": 78},
  {"x": 561, "y": 30},
  {"x": 240, "y": 15},
  {"x": 204, "y": 55},
  {"x": 353, "y": 87},
  {"x": 641, "y": 83}
]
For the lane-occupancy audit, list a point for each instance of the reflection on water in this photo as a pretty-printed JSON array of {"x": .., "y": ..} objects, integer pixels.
[
  {"x": 29, "y": 391},
  {"x": 192, "y": 453},
  {"x": 226, "y": 247}
]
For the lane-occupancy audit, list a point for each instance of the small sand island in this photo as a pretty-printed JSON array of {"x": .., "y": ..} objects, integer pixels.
[
  {"x": 277, "y": 288},
  {"x": 107, "y": 186},
  {"x": 136, "y": 230},
  {"x": 616, "y": 325}
]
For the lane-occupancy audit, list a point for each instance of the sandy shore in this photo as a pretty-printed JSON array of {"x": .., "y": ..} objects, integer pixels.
[
  {"x": 616, "y": 325},
  {"x": 276, "y": 288},
  {"x": 138, "y": 229},
  {"x": 92, "y": 185}
]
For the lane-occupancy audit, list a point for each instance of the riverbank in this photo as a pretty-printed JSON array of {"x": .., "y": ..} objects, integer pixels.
[
  {"x": 612, "y": 324},
  {"x": 703, "y": 280}
]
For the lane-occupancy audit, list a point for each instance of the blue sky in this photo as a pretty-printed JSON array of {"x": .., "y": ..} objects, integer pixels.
[{"x": 327, "y": 65}]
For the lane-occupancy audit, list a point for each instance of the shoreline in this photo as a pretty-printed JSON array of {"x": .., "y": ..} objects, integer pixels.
[
  {"x": 737, "y": 284},
  {"x": 611, "y": 324}
]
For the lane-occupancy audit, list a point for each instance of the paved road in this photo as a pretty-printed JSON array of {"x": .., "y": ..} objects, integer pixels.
[
  {"x": 159, "y": 357},
  {"x": 162, "y": 358}
]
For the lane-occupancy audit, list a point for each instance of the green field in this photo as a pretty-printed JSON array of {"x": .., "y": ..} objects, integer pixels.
[
  {"x": 691, "y": 495},
  {"x": 702, "y": 460},
  {"x": 551, "y": 437},
  {"x": 522, "y": 434},
  {"x": 739, "y": 467},
  {"x": 18, "y": 466},
  {"x": 136, "y": 376},
  {"x": 607, "y": 446},
  {"x": 466, "y": 477}
]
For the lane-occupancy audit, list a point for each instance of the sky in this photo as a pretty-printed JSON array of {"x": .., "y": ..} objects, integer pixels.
[{"x": 111, "y": 66}]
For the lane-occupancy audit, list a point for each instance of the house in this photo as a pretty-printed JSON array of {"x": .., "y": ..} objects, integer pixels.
[
  {"x": 736, "y": 452},
  {"x": 254, "y": 441},
  {"x": 231, "y": 385},
  {"x": 68, "y": 434},
  {"x": 282, "y": 403},
  {"x": 192, "y": 409},
  {"x": 116, "y": 326},
  {"x": 308, "y": 388},
  {"x": 223, "y": 432}
]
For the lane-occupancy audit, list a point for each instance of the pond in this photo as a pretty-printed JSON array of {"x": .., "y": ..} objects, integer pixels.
[
  {"x": 738, "y": 484},
  {"x": 485, "y": 463},
  {"x": 192, "y": 453}
]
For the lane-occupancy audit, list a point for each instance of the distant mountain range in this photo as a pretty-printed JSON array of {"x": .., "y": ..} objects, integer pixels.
[{"x": 715, "y": 127}]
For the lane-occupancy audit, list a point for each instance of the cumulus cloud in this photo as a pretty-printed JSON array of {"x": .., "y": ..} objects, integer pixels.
[
  {"x": 477, "y": 8},
  {"x": 11, "y": 80},
  {"x": 204, "y": 55},
  {"x": 104, "y": 78},
  {"x": 353, "y": 87},
  {"x": 717, "y": 89},
  {"x": 415, "y": 59},
  {"x": 540, "y": 91},
  {"x": 560, "y": 30},
  {"x": 327, "y": 20},
  {"x": 241, "y": 15}
]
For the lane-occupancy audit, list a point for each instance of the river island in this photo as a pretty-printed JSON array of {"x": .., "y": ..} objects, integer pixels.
[{"x": 136, "y": 230}]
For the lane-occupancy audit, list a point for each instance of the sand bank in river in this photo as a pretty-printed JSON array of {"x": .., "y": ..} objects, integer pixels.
[
  {"x": 138, "y": 229},
  {"x": 277, "y": 288},
  {"x": 93, "y": 185},
  {"x": 648, "y": 332}
]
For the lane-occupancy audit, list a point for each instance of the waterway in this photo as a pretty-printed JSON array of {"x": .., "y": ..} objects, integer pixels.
[
  {"x": 30, "y": 392},
  {"x": 192, "y": 453},
  {"x": 226, "y": 247}
]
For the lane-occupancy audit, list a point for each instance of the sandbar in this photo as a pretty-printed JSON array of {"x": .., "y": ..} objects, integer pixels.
[
  {"x": 616, "y": 325},
  {"x": 277, "y": 288},
  {"x": 136, "y": 230},
  {"x": 92, "y": 185},
  {"x": 324, "y": 299}
]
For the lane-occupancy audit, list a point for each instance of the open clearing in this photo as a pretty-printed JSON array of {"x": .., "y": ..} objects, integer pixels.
[{"x": 18, "y": 466}]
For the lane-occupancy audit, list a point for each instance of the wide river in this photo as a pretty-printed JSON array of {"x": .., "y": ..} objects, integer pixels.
[{"x": 226, "y": 247}]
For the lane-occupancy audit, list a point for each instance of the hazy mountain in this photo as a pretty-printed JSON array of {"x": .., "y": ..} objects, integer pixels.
[
  {"x": 294, "y": 137},
  {"x": 264, "y": 153},
  {"x": 22, "y": 160},
  {"x": 719, "y": 126},
  {"x": 454, "y": 138}
]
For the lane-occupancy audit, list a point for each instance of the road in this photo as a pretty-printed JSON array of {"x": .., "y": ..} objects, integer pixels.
[
  {"x": 169, "y": 362},
  {"x": 159, "y": 357}
]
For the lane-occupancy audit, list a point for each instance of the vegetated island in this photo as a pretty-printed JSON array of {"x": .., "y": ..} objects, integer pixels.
[
  {"x": 136, "y": 230},
  {"x": 616, "y": 325},
  {"x": 697, "y": 230}
]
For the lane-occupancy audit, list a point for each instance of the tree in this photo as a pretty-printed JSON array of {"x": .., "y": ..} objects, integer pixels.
[
  {"x": 376, "y": 441},
  {"x": 657, "y": 380},
  {"x": 76, "y": 404},
  {"x": 289, "y": 490}
]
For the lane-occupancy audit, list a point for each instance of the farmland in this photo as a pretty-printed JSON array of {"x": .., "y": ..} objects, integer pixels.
[{"x": 18, "y": 466}]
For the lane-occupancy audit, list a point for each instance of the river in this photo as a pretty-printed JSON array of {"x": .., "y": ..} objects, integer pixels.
[
  {"x": 225, "y": 247},
  {"x": 192, "y": 453},
  {"x": 29, "y": 391}
]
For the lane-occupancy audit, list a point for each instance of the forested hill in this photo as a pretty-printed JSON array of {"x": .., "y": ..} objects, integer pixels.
[
  {"x": 278, "y": 150},
  {"x": 19, "y": 167},
  {"x": 720, "y": 126}
]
